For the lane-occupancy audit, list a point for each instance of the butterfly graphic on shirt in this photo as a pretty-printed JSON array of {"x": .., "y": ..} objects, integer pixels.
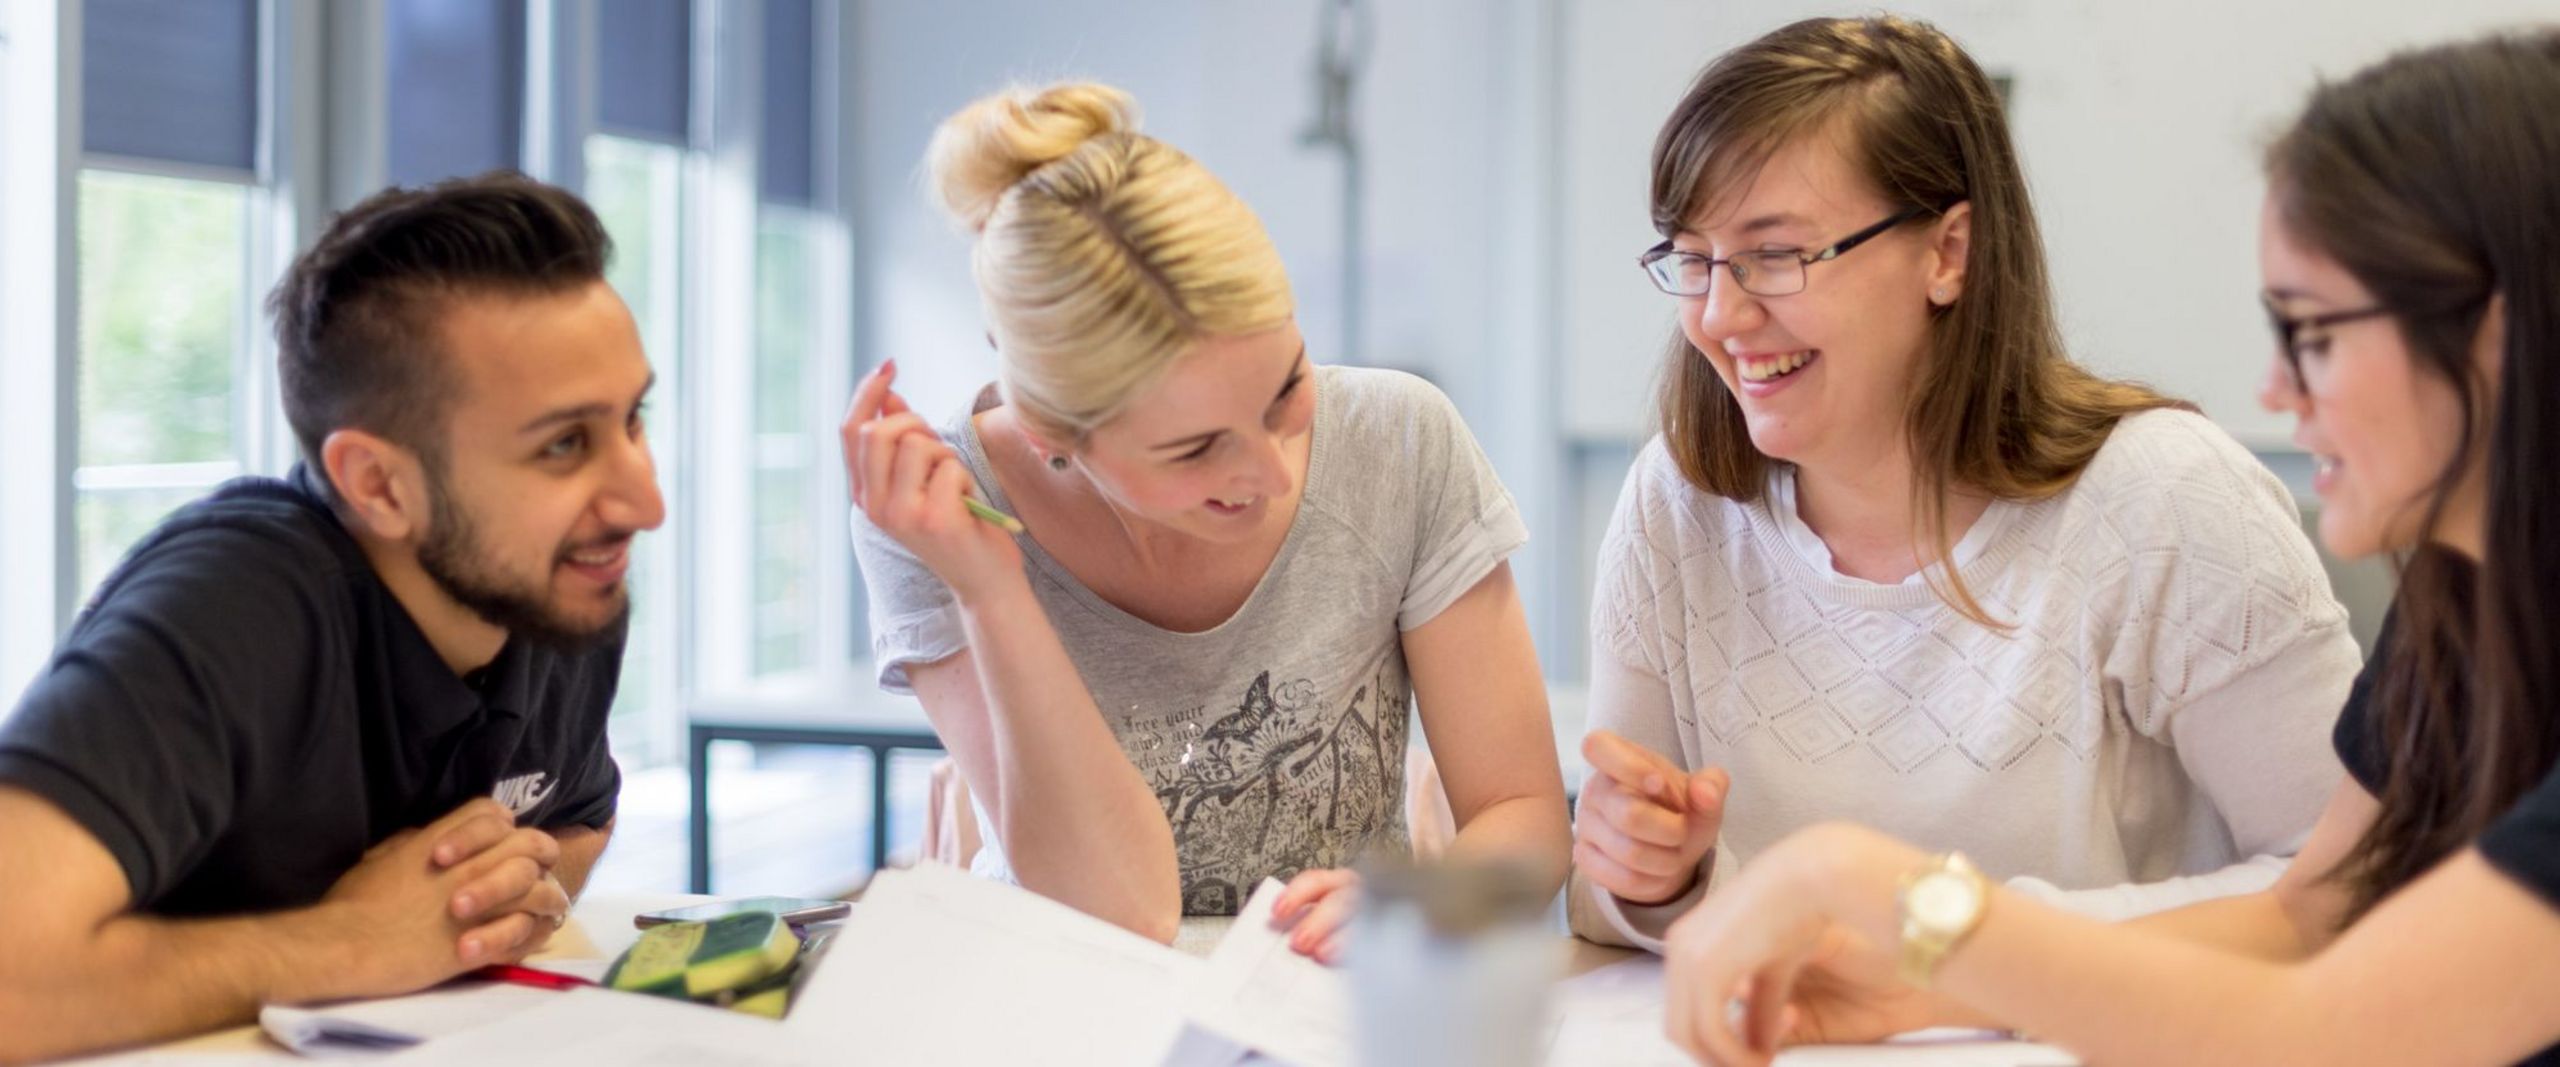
[{"x": 1283, "y": 784}]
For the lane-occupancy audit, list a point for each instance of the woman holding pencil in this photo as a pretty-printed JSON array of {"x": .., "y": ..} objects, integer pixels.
[{"x": 1194, "y": 663}]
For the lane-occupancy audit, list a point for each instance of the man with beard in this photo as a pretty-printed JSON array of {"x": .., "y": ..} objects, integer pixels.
[{"x": 342, "y": 733}]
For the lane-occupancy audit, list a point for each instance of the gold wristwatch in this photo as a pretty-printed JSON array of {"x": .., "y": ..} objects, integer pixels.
[{"x": 1942, "y": 902}]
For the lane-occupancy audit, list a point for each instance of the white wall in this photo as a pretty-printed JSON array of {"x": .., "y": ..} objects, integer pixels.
[{"x": 2140, "y": 123}]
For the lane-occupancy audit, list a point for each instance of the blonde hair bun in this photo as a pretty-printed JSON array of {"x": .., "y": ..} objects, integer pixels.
[
  {"x": 1102, "y": 254},
  {"x": 991, "y": 145}
]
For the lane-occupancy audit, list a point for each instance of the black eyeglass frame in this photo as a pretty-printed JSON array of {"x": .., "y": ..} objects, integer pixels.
[
  {"x": 2289, "y": 331},
  {"x": 1804, "y": 259}
]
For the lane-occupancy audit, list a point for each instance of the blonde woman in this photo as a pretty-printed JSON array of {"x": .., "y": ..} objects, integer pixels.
[
  {"x": 1240, "y": 571},
  {"x": 1896, "y": 559}
]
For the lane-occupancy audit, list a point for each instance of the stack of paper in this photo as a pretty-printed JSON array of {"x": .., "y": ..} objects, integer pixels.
[
  {"x": 1264, "y": 996},
  {"x": 937, "y": 967},
  {"x": 330, "y": 1030},
  {"x": 601, "y": 1026}
]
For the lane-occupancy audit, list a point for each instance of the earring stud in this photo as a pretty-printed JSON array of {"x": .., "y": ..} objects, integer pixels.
[{"x": 1057, "y": 463}]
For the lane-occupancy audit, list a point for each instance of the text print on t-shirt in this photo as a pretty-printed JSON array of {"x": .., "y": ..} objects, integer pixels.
[{"x": 524, "y": 792}]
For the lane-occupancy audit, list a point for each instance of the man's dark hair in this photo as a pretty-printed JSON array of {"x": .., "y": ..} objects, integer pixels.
[{"x": 358, "y": 342}]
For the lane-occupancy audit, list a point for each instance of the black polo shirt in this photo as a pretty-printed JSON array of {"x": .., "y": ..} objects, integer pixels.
[
  {"x": 244, "y": 708},
  {"x": 2524, "y": 843}
]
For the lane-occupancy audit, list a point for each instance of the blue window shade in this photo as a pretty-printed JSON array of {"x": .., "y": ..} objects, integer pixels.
[
  {"x": 785, "y": 161},
  {"x": 175, "y": 81},
  {"x": 644, "y": 69},
  {"x": 456, "y": 88}
]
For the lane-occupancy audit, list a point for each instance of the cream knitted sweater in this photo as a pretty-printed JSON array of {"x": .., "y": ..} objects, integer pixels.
[{"x": 2155, "y": 730}]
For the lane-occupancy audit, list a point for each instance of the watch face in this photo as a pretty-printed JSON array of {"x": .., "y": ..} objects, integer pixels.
[{"x": 1943, "y": 900}]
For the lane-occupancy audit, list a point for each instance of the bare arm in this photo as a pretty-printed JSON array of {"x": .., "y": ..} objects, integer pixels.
[
  {"x": 580, "y": 848},
  {"x": 2431, "y": 975},
  {"x": 1484, "y": 712},
  {"x": 1075, "y": 818},
  {"x": 1077, "y": 821},
  {"x": 2287, "y": 922},
  {"x": 79, "y": 971},
  {"x": 2300, "y": 913}
]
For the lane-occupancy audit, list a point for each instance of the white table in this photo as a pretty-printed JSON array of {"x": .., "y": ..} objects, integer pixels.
[{"x": 598, "y": 930}]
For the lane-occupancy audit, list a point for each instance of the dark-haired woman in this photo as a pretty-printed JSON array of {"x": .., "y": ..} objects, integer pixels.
[{"x": 2410, "y": 270}]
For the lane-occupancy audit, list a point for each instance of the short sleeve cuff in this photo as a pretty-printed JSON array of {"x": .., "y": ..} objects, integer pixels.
[
  {"x": 594, "y": 815},
  {"x": 596, "y": 811},
  {"x": 912, "y": 641},
  {"x": 1441, "y": 580},
  {"x": 91, "y": 809}
]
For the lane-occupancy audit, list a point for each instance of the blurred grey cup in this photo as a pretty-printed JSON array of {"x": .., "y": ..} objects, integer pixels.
[{"x": 1451, "y": 964}]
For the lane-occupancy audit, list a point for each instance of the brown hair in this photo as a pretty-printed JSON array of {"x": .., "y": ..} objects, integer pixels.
[
  {"x": 356, "y": 337},
  {"x": 2428, "y": 177},
  {"x": 1996, "y": 405}
]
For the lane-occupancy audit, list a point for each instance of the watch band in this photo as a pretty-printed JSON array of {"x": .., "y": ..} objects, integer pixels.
[{"x": 1928, "y": 938}]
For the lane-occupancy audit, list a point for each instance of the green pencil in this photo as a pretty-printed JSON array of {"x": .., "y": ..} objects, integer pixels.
[{"x": 1004, "y": 522}]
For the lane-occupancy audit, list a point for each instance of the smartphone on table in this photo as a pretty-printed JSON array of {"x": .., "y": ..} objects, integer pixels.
[{"x": 798, "y": 911}]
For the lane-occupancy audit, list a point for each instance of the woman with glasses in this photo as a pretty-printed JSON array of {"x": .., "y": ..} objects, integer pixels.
[
  {"x": 2407, "y": 257},
  {"x": 1193, "y": 664},
  {"x": 1896, "y": 559}
]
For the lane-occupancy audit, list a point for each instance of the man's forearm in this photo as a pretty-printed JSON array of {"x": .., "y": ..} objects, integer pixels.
[
  {"x": 580, "y": 848},
  {"x": 138, "y": 979}
]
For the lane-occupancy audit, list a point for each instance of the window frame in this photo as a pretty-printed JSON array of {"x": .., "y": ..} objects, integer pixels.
[
  {"x": 39, "y": 271},
  {"x": 323, "y": 71},
  {"x": 724, "y": 532},
  {"x": 270, "y": 225}
]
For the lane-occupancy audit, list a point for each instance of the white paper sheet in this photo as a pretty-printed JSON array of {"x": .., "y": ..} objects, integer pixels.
[
  {"x": 591, "y": 970},
  {"x": 938, "y": 967},
  {"x": 434, "y": 1013},
  {"x": 1613, "y": 1016},
  {"x": 1262, "y": 995},
  {"x": 320, "y": 1036},
  {"x": 1931, "y": 1049},
  {"x": 600, "y": 1026}
]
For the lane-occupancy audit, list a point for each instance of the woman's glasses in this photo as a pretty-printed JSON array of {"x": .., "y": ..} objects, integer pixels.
[{"x": 1768, "y": 272}]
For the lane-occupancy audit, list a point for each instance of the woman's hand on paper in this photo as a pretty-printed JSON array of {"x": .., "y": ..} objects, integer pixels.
[
  {"x": 1848, "y": 994},
  {"x": 1765, "y": 962},
  {"x": 1315, "y": 908},
  {"x": 910, "y": 484}
]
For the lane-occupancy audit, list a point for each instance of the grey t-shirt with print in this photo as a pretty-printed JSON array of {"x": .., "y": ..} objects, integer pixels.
[{"x": 1275, "y": 741}]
